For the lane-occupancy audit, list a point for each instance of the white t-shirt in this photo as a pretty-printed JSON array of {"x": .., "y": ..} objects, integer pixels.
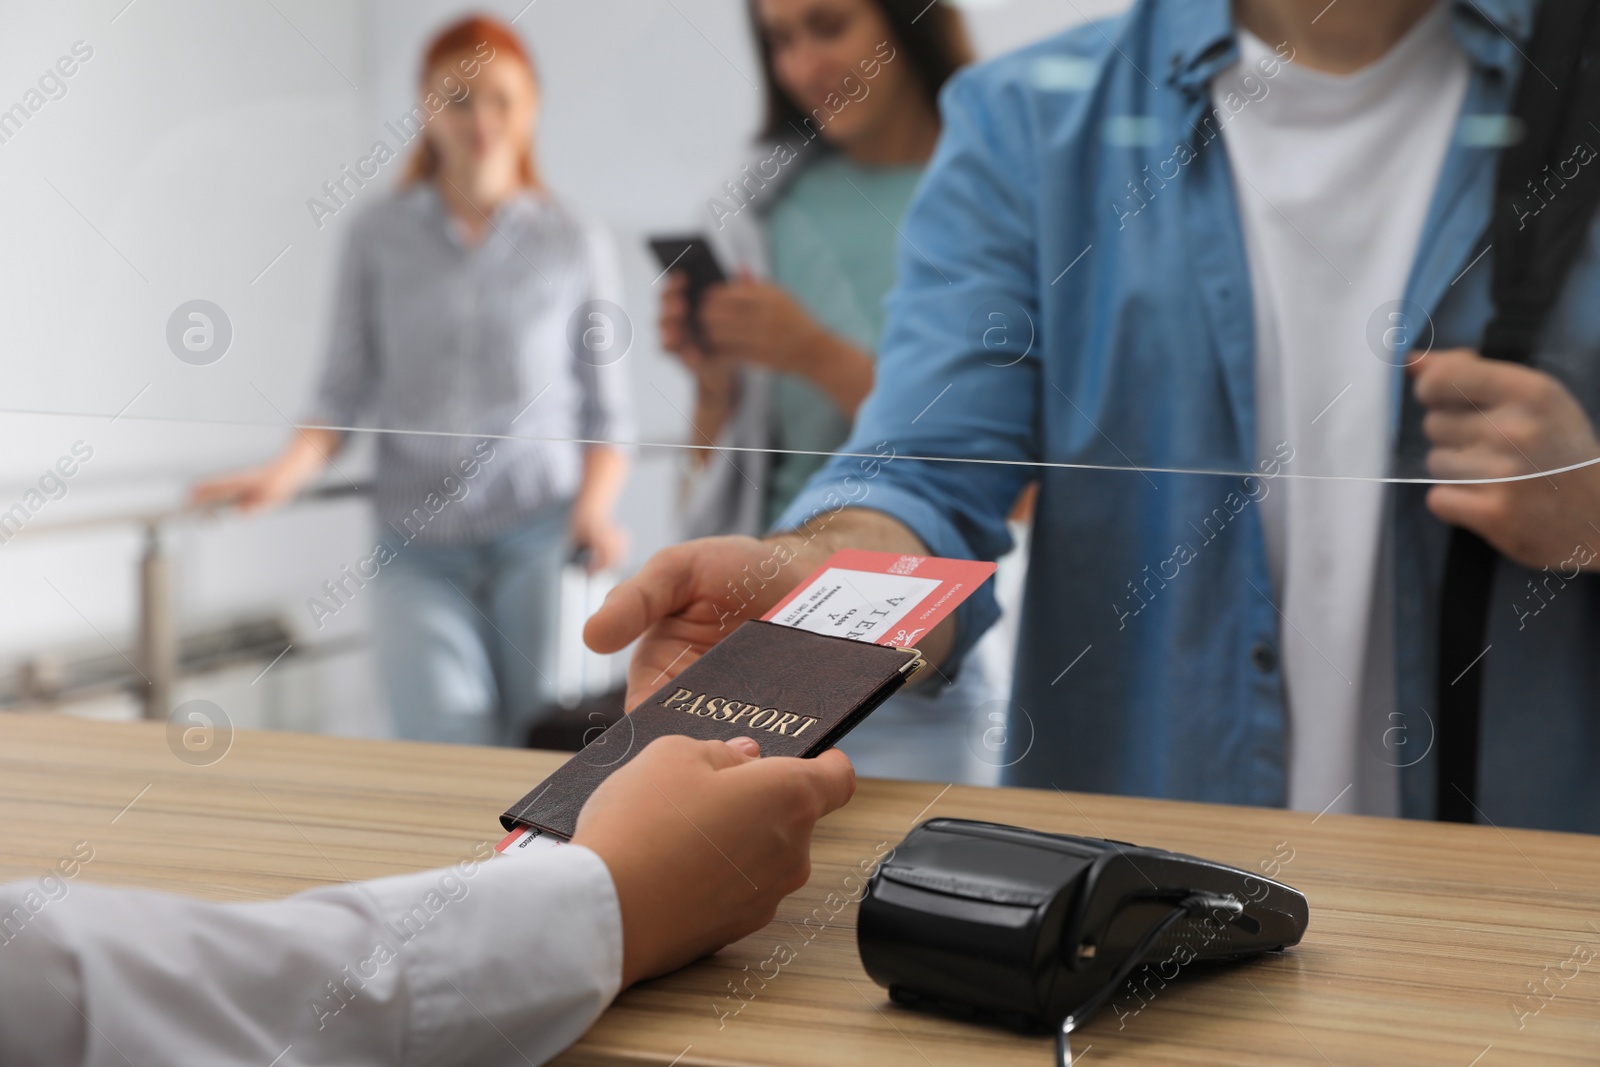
[{"x": 1334, "y": 175}]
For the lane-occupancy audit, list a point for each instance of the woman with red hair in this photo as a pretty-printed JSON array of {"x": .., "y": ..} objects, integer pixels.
[{"x": 473, "y": 329}]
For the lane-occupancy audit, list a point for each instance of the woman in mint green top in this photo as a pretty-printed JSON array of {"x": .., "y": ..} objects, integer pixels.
[
  {"x": 830, "y": 247},
  {"x": 783, "y": 353}
]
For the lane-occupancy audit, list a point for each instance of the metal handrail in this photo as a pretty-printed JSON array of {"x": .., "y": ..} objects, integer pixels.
[
  {"x": 162, "y": 516},
  {"x": 157, "y": 623}
]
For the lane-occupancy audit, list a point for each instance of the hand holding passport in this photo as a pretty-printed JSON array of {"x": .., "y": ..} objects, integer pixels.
[
  {"x": 703, "y": 840},
  {"x": 796, "y": 680}
]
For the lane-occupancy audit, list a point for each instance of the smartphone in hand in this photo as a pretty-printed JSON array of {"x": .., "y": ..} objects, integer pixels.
[{"x": 693, "y": 256}]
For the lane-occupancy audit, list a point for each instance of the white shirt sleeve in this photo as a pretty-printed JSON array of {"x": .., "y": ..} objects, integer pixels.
[{"x": 503, "y": 962}]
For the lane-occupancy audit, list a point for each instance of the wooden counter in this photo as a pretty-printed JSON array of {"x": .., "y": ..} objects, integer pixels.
[{"x": 1423, "y": 943}]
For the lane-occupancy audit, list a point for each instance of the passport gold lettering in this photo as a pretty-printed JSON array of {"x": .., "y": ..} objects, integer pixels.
[
  {"x": 735, "y": 712},
  {"x": 803, "y": 691}
]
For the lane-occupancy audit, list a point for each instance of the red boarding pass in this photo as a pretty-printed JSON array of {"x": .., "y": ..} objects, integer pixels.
[
  {"x": 526, "y": 840},
  {"x": 882, "y": 597}
]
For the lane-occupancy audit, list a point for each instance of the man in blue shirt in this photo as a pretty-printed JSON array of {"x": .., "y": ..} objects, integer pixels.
[{"x": 1223, "y": 601}]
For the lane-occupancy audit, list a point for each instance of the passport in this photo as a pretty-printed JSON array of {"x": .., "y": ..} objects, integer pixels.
[{"x": 795, "y": 691}]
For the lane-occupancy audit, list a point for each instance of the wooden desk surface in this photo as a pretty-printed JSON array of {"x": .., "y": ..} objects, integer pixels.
[{"x": 1423, "y": 941}]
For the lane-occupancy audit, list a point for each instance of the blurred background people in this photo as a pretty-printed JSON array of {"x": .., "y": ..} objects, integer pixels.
[
  {"x": 1179, "y": 642},
  {"x": 471, "y": 305},
  {"x": 155, "y": 200},
  {"x": 783, "y": 353}
]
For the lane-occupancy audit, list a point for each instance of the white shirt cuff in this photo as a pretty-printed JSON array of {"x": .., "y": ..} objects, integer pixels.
[{"x": 529, "y": 960}]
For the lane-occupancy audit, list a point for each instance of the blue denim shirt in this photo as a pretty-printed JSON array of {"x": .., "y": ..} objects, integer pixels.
[{"x": 1080, "y": 203}]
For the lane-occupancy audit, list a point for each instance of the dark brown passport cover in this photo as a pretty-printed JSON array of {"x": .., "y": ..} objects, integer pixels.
[{"x": 794, "y": 691}]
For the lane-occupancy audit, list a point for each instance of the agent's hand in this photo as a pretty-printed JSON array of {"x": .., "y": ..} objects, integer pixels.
[
  {"x": 1494, "y": 419},
  {"x": 703, "y": 840},
  {"x": 686, "y": 599}
]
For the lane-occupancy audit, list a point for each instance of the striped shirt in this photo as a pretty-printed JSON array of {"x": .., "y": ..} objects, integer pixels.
[{"x": 515, "y": 335}]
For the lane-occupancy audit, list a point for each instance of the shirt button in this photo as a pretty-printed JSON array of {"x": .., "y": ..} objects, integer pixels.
[{"x": 1263, "y": 658}]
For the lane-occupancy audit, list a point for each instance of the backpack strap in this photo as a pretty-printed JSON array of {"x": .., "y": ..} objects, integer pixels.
[{"x": 1540, "y": 223}]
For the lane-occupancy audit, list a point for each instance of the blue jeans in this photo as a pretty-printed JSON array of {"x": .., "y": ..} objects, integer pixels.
[{"x": 465, "y": 636}]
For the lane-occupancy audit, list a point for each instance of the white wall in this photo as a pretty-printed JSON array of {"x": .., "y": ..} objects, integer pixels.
[
  {"x": 174, "y": 167},
  {"x": 178, "y": 164}
]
